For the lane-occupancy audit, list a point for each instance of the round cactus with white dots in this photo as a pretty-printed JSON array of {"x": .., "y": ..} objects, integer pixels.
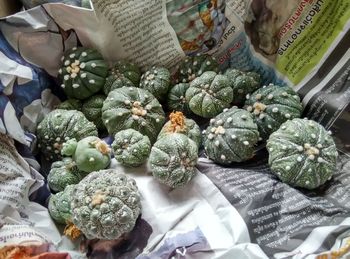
[
  {"x": 209, "y": 94},
  {"x": 58, "y": 127},
  {"x": 195, "y": 66},
  {"x": 133, "y": 108},
  {"x": 302, "y": 153},
  {"x": 89, "y": 154},
  {"x": 131, "y": 148},
  {"x": 105, "y": 204},
  {"x": 92, "y": 109},
  {"x": 123, "y": 73},
  {"x": 271, "y": 106},
  {"x": 70, "y": 104},
  {"x": 231, "y": 137},
  {"x": 83, "y": 72},
  {"x": 177, "y": 98},
  {"x": 156, "y": 81},
  {"x": 242, "y": 83},
  {"x": 178, "y": 123},
  {"x": 64, "y": 173},
  {"x": 60, "y": 205},
  {"x": 173, "y": 159}
]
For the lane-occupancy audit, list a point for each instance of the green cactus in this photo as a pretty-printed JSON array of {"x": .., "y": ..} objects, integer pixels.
[
  {"x": 271, "y": 106},
  {"x": 60, "y": 205},
  {"x": 70, "y": 104},
  {"x": 302, "y": 154},
  {"x": 231, "y": 137},
  {"x": 177, "y": 99},
  {"x": 83, "y": 72},
  {"x": 131, "y": 148},
  {"x": 58, "y": 127},
  {"x": 209, "y": 94},
  {"x": 173, "y": 159},
  {"x": 105, "y": 204},
  {"x": 156, "y": 81},
  {"x": 133, "y": 108},
  {"x": 92, "y": 109}
]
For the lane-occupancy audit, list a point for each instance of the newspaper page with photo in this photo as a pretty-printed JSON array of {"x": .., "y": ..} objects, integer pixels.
[{"x": 238, "y": 211}]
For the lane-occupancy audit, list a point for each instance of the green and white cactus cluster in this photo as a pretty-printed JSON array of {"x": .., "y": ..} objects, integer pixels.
[{"x": 128, "y": 104}]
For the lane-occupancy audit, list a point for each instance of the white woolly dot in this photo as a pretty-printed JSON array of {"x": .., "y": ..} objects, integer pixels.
[
  {"x": 249, "y": 108},
  {"x": 73, "y": 75},
  {"x": 225, "y": 110},
  {"x": 48, "y": 148},
  {"x": 287, "y": 167},
  {"x": 244, "y": 117},
  {"x": 287, "y": 115},
  {"x": 93, "y": 64},
  {"x": 75, "y": 85},
  {"x": 275, "y": 110},
  {"x": 283, "y": 127},
  {"x": 269, "y": 126},
  {"x": 200, "y": 72},
  {"x": 307, "y": 145},
  {"x": 60, "y": 71},
  {"x": 127, "y": 102},
  {"x": 313, "y": 135},
  {"x": 210, "y": 136},
  {"x": 82, "y": 65},
  {"x": 284, "y": 94},
  {"x": 72, "y": 55},
  {"x": 67, "y": 63},
  {"x": 204, "y": 132},
  {"x": 246, "y": 143},
  {"x": 311, "y": 157},
  {"x": 299, "y": 159},
  {"x": 284, "y": 147},
  {"x": 57, "y": 127},
  {"x": 57, "y": 151},
  {"x": 74, "y": 48},
  {"x": 63, "y": 86},
  {"x": 329, "y": 132},
  {"x": 307, "y": 182},
  {"x": 143, "y": 123},
  {"x": 270, "y": 96},
  {"x": 106, "y": 121},
  {"x": 84, "y": 54},
  {"x": 91, "y": 81},
  {"x": 320, "y": 160},
  {"x": 195, "y": 63},
  {"x": 120, "y": 114},
  {"x": 271, "y": 149},
  {"x": 310, "y": 170},
  {"x": 58, "y": 139},
  {"x": 91, "y": 159},
  {"x": 157, "y": 120},
  {"x": 212, "y": 121},
  {"x": 229, "y": 120},
  {"x": 83, "y": 75},
  {"x": 219, "y": 122},
  {"x": 233, "y": 136},
  {"x": 319, "y": 145},
  {"x": 300, "y": 148},
  {"x": 217, "y": 143},
  {"x": 208, "y": 63},
  {"x": 258, "y": 96},
  {"x": 66, "y": 77},
  {"x": 247, "y": 96},
  {"x": 223, "y": 157}
]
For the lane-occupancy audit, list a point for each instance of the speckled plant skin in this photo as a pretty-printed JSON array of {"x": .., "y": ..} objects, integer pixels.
[
  {"x": 156, "y": 81},
  {"x": 92, "y": 109},
  {"x": 178, "y": 123},
  {"x": 106, "y": 204},
  {"x": 302, "y": 153},
  {"x": 242, "y": 83},
  {"x": 133, "y": 108},
  {"x": 271, "y": 106},
  {"x": 231, "y": 137},
  {"x": 173, "y": 159},
  {"x": 83, "y": 72},
  {"x": 64, "y": 173},
  {"x": 60, "y": 205},
  {"x": 209, "y": 94},
  {"x": 131, "y": 148},
  {"x": 193, "y": 67},
  {"x": 90, "y": 154},
  {"x": 123, "y": 73},
  {"x": 58, "y": 127},
  {"x": 176, "y": 100},
  {"x": 70, "y": 104}
]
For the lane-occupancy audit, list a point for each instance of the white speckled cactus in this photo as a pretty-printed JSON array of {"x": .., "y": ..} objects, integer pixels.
[
  {"x": 58, "y": 127},
  {"x": 193, "y": 67},
  {"x": 64, "y": 173},
  {"x": 176, "y": 100},
  {"x": 60, "y": 205},
  {"x": 156, "y": 81},
  {"x": 83, "y": 72},
  {"x": 133, "y": 108},
  {"x": 89, "y": 154},
  {"x": 231, "y": 137},
  {"x": 179, "y": 124},
  {"x": 173, "y": 159},
  {"x": 302, "y": 154},
  {"x": 106, "y": 204},
  {"x": 271, "y": 106},
  {"x": 209, "y": 94},
  {"x": 92, "y": 109},
  {"x": 123, "y": 73},
  {"x": 131, "y": 148},
  {"x": 242, "y": 83}
]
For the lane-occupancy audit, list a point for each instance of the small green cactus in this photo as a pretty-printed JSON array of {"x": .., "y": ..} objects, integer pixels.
[
  {"x": 60, "y": 205},
  {"x": 231, "y": 137},
  {"x": 156, "y": 81},
  {"x": 302, "y": 154},
  {"x": 209, "y": 94},
  {"x": 105, "y": 204},
  {"x": 92, "y": 109},
  {"x": 131, "y": 148},
  {"x": 173, "y": 159},
  {"x": 177, "y": 99},
  {"x": 70, "y": 104}
]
